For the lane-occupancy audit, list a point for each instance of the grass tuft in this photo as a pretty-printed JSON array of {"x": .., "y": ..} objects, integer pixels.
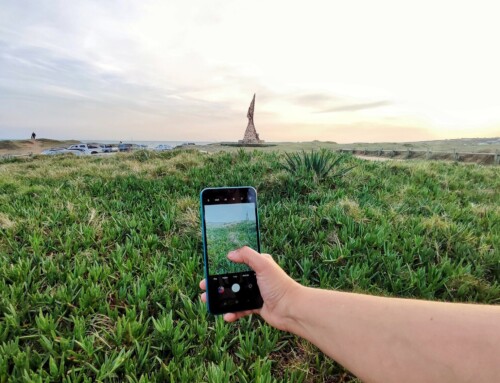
[{"x": 318, "y": 164}]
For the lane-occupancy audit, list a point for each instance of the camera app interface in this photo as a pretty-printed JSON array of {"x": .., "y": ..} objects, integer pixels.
[{"x": 229, "y": 227}]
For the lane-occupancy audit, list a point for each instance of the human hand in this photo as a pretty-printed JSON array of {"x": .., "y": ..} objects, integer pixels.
[{"x": 276, "y": 288}]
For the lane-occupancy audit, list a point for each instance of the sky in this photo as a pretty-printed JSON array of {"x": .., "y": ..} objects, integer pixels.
[{"x": 342, "y": 71}]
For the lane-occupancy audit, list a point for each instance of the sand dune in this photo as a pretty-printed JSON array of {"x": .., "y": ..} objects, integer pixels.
[{"x": 31, "y": 146}]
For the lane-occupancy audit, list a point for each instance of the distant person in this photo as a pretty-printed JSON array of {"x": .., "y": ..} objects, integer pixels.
[
  {"x": 33, "y": 136},
  {"x": 380, "y": 339}
]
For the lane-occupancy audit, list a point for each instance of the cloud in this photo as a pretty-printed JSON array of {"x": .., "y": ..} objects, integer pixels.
[
  {"x": 363, "y": 131},
  {"x": 189, "y": 69},
  {"x": 314, "y": 99},
  {"x": 356, "y": 107}
]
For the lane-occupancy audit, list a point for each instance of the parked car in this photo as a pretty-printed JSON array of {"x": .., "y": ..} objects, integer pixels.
[
  {"x": 86, "y": 148},
  {"x": 129, "y": 147},
  {"x": 107, "y": 148},
  {"x": 125, "y": 147},
  {"x": 163, "y": 147},
  {"x": 54, "y": 151}
]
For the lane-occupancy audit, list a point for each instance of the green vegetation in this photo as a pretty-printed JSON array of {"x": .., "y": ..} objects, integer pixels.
[
  {"x": 481, "y": 145},
  {"x": 221, "y": 239},
  {"x": 100, "y": 259},
  {"x": 315, "y": 164}
]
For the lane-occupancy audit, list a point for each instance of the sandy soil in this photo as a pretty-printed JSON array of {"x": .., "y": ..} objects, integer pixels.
[{"x": 25, "y": 147}]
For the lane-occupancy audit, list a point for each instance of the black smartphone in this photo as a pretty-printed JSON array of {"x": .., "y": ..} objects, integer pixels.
[{"x": 229, "y": 221}]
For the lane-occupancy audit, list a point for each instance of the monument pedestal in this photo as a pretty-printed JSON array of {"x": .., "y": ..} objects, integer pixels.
[{"x": 251, "y": 141}]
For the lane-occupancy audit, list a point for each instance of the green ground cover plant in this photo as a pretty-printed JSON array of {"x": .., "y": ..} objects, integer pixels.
[
  {"x": 100, "y": 259},
  {"x": 316, "y": 165},
  {"x": 221, "y": 239}
]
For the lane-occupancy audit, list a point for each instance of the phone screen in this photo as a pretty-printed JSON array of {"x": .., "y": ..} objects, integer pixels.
[
  {"x": 230, "y": 221},
  {"x": 229, "y": 227}
]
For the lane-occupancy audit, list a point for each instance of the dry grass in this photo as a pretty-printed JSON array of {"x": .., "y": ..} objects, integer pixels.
[
  {"x": 351, "y": 209},
  {"x": 5, "y": 222}
]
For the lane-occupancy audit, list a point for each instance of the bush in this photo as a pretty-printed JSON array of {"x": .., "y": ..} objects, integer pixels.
[{"x": 319, "y": 165}]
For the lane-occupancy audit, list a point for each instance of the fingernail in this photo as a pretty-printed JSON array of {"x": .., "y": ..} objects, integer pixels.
[{"x": 231, "y": 254}]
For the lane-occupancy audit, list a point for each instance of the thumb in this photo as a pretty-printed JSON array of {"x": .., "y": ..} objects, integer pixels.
[{"x": 257, "y": 262}]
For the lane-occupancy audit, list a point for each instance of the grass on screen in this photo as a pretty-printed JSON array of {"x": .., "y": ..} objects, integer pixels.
[{"x": 223, "y": 238}]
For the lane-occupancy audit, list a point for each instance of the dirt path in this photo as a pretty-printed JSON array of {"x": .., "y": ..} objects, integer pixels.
[
  {"x": 371, "y": 158},
  {"x": 37, "y": 147}
]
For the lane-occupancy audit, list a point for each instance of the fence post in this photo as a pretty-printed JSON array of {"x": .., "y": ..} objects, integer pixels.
[
  {"x": 455, "y": 154},
  {"x": 497, "y": 157}
]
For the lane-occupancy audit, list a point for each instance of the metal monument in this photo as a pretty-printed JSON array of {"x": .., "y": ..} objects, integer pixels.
[{"x": 251, "y": 136}]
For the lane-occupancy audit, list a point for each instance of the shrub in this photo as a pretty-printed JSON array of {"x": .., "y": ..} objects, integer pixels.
[
  {"x": 143, "y": 155},
  {"x": 319, "y": 165}
]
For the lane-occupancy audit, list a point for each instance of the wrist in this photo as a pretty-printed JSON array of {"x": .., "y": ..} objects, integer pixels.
[{"x": 293, "y": 303}]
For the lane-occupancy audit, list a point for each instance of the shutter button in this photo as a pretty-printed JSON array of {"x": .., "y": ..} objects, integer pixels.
[{"x": 235, "y": 287}]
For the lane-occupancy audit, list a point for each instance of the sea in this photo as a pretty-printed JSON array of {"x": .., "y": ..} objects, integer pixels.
[{"x": 148, "y": 144}]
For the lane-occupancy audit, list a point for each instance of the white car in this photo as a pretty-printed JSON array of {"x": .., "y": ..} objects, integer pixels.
[
  {"x": 163, "y": 147},
  {"x": 54, "y": 151},
  {"x": 108, "y": 148},
  {"x": 86, "y": 148}
]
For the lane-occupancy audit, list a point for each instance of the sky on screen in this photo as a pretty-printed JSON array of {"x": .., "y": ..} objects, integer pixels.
[
  {"x": 235, "y": 212},
  {"x": 342, "y": 71}
]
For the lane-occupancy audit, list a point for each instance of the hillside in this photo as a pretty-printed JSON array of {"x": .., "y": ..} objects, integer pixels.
[
  {"x": 31, "y": 146},
  {"x": 100, "y": 258}
]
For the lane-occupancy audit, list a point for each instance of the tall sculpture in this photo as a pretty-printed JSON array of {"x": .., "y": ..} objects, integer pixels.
[{"x": 251, "y": 136}]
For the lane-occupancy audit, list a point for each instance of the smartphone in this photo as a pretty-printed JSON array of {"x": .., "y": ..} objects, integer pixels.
[{"x": 229, "y": 220}]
